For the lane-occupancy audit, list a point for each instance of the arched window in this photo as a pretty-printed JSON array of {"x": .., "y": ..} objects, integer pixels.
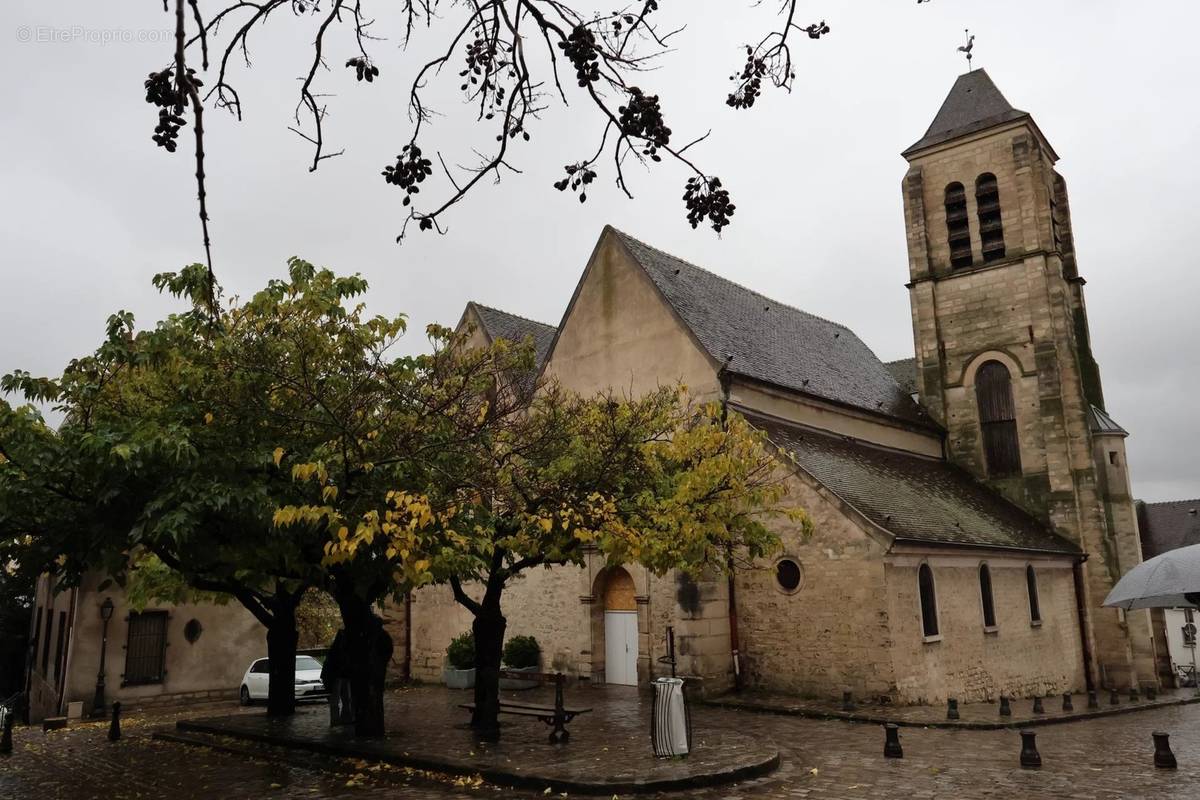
[
  {"x": 1035, "y": 610},
  {"x": 998, "y": 419},
  {"x": 957, "y": 227},
  {"x": 991, "y": 229},
  {"x": 985, "y": 593},
  {"x": 929, "y": 615}
]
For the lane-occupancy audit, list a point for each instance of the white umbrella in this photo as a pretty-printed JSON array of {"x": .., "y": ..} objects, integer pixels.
[{"x": 1171, "y": 580}]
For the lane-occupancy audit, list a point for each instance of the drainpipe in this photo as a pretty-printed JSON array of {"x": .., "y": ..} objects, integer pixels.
[
  {"x": 1081, "y": 608},
  {"x": 734, "y": 654},
  {"x": 407, "y": 637},
  {"x": 63, "y": 665}
]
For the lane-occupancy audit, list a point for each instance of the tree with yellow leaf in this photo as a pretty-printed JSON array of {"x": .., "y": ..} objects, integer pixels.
[
  {"x": 184, "y": 442},
  {"x": 653, "y": 480}
]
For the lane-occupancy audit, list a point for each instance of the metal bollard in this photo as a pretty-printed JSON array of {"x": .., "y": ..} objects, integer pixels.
[
  {"x": 1133, "y": 694},
  {"x": 1067, "y": 704},
  {"x": 1151, "y": 692},
  {"x": 891, "y": 745},
  {"x": 114, "y": 727},
  {"x": 1093, "y": 699},
  {"x": 1114, "y": 699},
  {"x": 952, "y": 708},
  {"x": 1037, "y": 706},
  {"x": 847, "y": 702},
  {"x": 1005, "y": 708},
  {"x": 1163, "y": 757},
  {"x": 1030, "y": 757},
  {"x": 6, "y": 734}
]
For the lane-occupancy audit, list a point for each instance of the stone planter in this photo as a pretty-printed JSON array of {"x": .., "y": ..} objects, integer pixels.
[
  {"x": 459, "y": 678},
  {"x": 513, "y": 683}
]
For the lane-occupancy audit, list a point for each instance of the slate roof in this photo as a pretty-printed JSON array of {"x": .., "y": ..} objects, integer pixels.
[
  {"x": 974, "y": 103},
  {"x": 904, "y": 372},
  {"x": 916, "y": 499},
  {"x": 1168, "y": 526},
  {"x": 774, "y": 342},
  {"x": 499, "y": 324},
  {"x": 1101, "y": 422}
]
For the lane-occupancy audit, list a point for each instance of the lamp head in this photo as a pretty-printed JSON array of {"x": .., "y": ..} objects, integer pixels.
[{"x": 106, "y": 609}]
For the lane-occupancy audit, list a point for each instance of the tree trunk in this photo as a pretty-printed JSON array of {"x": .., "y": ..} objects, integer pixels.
[
  {"x": 368, "y": 652},
  {"x": 281, "y": 656},
  {"x": 488, "y": 627}
]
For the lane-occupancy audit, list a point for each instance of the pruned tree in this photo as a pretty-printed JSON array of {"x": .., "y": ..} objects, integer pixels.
[
  {"x": 160, "y": 463},
  {"x": 650, "y": 480},
  {"x": 511, "y": 60}
]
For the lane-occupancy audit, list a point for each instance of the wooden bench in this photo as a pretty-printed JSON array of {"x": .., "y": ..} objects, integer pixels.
[{"x": 557, "y": 715}]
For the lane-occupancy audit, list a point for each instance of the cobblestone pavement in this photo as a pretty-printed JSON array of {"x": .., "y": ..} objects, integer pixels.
[
  {"x": 971, "y": 715},
  {"x": 1103, "y": 759},
  {"x": 609, "y": 748}
]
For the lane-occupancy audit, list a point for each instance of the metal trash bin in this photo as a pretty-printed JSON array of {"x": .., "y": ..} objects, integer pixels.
[{"x": 670, "y": 719}]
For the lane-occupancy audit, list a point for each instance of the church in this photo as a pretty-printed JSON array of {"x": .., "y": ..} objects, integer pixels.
[{"x": 971, "y": 505}]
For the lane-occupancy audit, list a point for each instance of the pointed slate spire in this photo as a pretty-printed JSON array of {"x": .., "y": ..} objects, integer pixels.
[{"x": 974, "y": 103}]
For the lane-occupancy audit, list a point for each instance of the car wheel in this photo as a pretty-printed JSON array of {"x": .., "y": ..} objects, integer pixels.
[{"x": 245, "y": 696}]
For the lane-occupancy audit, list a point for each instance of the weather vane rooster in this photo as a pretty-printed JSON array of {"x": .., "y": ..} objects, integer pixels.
[{"x": 968, "y": 47}]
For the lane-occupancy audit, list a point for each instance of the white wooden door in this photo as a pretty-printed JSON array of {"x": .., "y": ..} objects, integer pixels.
[{"x": 620, "y": 647}]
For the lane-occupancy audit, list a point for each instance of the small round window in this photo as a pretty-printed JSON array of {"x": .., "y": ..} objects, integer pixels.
[{"x": 788, "y": 575}]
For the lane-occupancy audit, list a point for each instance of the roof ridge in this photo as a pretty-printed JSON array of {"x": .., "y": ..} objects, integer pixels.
[
  {"x": 898, "y": 360},
  {"x": 1171, "y": 502},
  {"x": 731, "y": 282},
  {"x": 510, "y": 314}
]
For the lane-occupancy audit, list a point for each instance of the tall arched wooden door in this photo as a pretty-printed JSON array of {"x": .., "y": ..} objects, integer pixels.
[{"x": 620, "y": 629}]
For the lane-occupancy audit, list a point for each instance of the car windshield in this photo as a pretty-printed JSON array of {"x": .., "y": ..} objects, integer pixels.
[{"x": 307, "y": 662}]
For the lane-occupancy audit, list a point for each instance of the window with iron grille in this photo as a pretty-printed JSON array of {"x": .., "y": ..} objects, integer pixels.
[
  {"x": 998, "y": 419},
  {"x": 145, "y": 652}
]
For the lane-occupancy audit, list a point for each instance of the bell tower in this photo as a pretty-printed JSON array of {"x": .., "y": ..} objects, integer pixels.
[{"x": 1003, "y": 359}]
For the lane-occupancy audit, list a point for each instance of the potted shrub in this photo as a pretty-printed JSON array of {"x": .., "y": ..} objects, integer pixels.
[
  {"x": 521, "y": 654},
  {"x": 460, "y": 662}
]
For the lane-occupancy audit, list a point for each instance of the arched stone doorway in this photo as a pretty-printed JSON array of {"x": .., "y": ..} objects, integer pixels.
[{"x": 616, "y": 626}]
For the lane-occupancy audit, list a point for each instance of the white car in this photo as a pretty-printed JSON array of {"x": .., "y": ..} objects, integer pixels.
[{"x": 308, "y": 680}]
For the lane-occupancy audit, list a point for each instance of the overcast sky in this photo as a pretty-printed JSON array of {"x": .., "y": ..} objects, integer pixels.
[{"x": 90, "y": 208}]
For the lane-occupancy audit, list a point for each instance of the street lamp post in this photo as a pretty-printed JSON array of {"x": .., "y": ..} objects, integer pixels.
[{"x": 106, "y": 612}]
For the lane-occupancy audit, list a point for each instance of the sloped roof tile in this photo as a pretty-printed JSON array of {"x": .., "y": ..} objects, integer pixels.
[
  {"x": 974, "y": 103},
  {"x": 914, "y": 498},
  {"x": 499, "y": 324},
  {"x": 773, "y": 342},
  {"x": 904, "y": 371},
  {"x": 1101, "y": 422},
  {"x": 1168, "y": 526}
]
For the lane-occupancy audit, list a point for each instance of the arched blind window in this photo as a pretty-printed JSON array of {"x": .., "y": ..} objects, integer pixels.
[
  {"x": 1035, "y": 609},
  {"x": 998, "y": 419},
  {"x": 985, "y": 592},
  {"x": 991, "y": 229},
  {"x": 957, "y": 227},
  {"x": 929, "y": 618}
]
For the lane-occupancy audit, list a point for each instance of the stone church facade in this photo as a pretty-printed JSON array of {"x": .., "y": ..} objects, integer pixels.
[{"x": 971, "y": 506}]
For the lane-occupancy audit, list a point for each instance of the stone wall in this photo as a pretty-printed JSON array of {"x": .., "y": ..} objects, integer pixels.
[
  {"x": 563, "y": 607},
  {"x": 1026, "y": 311},
  {"x": 209, "y": 668},
  {"x": 833, "y": 632},
  {"x": 1018, "y": 658}
]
